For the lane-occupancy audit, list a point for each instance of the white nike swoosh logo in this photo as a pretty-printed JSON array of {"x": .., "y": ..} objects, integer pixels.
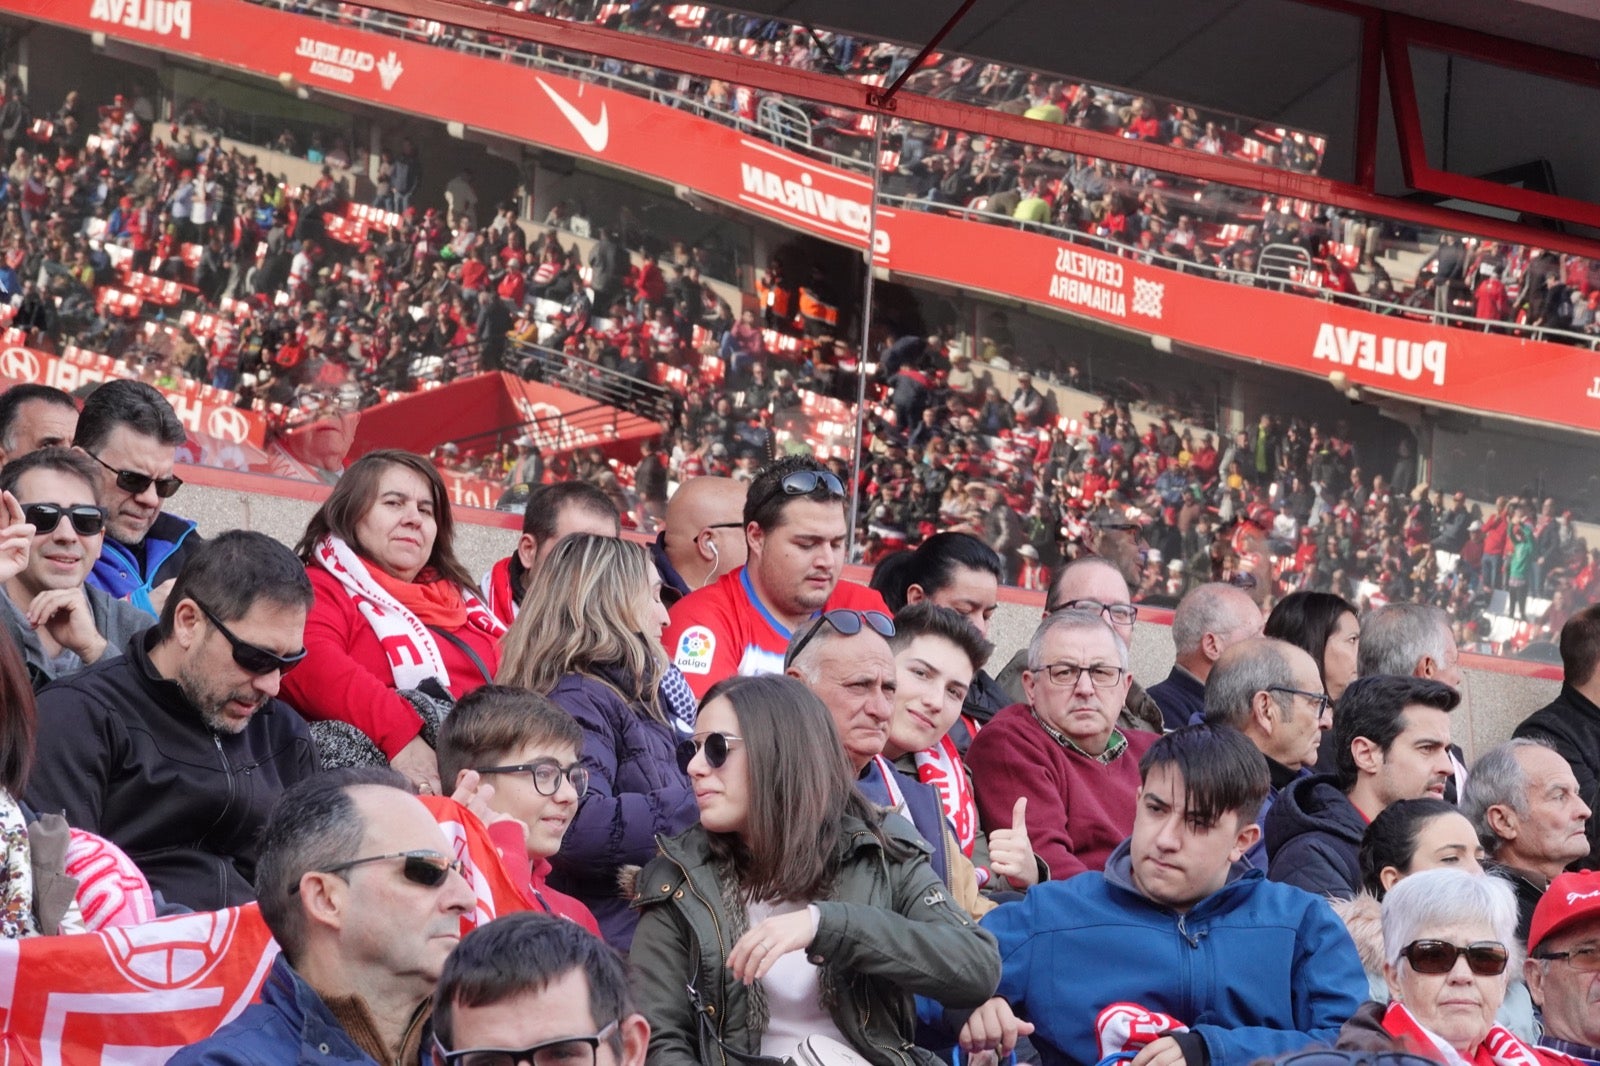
[{"x": 595, "y": 134}]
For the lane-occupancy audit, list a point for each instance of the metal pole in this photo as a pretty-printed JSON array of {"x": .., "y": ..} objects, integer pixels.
[{"x": 866, "y": 335}]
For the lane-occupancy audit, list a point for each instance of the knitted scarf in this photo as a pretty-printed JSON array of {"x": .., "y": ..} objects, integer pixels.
[
  {"x": 1499, "y": 1048},
  {"x": 941, "y": 767}
]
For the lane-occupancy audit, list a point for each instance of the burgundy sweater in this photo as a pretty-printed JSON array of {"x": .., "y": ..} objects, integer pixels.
[{"x": 1078, "y": 809}]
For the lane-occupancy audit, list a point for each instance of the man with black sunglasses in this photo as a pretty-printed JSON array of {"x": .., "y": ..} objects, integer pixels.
[
  {"x": 132, "y": 433},
  {"x": 176, "y": 750},
  {"x": 797, "y": 537},
  {"x": 60, "y": 623},
  {"x": 362, "y": 891}
]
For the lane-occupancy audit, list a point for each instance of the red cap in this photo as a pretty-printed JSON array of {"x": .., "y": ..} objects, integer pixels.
[{"x": 1570, "y": 898}]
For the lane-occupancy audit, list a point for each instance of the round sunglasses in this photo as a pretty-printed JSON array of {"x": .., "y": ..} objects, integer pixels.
[
  {"x": 1486, "y": 958},
  {"x": 716, "y": 745}
]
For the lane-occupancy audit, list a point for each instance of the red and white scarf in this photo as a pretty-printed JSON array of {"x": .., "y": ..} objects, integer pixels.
[
  {"x": 941, "y": 767},
  {"x": 413, "y": 652},
  {"x": 1499, "y": 1048},
  {"x": 1123, "y": 1028}
]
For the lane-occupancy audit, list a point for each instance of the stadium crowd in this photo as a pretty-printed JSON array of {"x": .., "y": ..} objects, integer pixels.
[{"x": 787, "y": 817}]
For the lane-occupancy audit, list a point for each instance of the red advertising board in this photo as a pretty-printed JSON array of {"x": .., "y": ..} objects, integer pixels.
[
  {"x": 204, "y": 411},
  {"x": 1431, "y": 364}
]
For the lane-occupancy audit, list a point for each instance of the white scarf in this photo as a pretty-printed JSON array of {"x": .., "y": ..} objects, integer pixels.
[{"x": 412, "y": 650}]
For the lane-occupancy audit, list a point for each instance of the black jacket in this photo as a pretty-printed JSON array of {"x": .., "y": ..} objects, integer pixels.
[
  {"x": 1181, "y": 696},
  {"x": 127, "y": 756},
  {"x": 1571, "y": 723},
  {"x": 1314, "y": 838}
]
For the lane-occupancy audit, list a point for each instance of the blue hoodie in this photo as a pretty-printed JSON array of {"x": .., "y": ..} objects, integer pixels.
[{"x": 1256, "y": 969}]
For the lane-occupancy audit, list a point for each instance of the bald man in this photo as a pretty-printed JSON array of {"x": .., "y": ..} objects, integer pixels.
[
  {"x": 1209, "y": 619},
  {"x": 703, "y": 538}
]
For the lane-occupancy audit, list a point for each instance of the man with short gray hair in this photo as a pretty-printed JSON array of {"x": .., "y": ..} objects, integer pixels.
[
  {"x": 1062, "y": 749},
  {"x": 1523, "y": 800},
  {"x": 1270, "y": 691},
  {"x": 1208, "y": 620}
]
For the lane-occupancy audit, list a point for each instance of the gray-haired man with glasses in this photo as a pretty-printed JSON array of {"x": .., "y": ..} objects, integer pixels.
[
  {"x": 529, "y": 989},
  {"x": 1563, "y": 967},
  {"x": 1062, "y": 748},
  {"x": 362, "y": 892}
]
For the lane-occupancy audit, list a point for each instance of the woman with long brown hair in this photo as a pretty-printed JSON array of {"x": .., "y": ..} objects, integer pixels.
[
  {"x": 588, "y": 636},
  {"x": 794, "y": 909}
]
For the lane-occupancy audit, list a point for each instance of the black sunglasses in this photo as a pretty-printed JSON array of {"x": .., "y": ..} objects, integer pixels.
[
  {"x": 716, "y": 745},
  {"x": 86, "y": 518},
  {"x": 804, "y": 483},
  {"x": 1486, "y": 958},
  {"x": 251, "y": 658},
  {"x": 847, "y": 623},
  {"x": 135, "y": 483},
  {"x": 426, "y": 868}
]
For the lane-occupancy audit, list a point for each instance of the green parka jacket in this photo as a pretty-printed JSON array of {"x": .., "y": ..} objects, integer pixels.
[{"x": 889, "y": 932}]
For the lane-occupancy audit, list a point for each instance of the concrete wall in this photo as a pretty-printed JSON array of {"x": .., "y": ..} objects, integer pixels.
[{"x": 1496, "y": 699}]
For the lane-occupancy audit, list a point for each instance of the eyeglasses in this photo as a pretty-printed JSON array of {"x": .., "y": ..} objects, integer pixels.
[
  {"x": 136, "y": 484},
  {"x": 1065, "y": 675},
  {"x": 1122, "y": 614},
  {"x": 567, "y": 1051},
  {"x": 804, "y": 483},
  {"x": 251, "y": 658},
  {"x": 1323, "y": 702},
  {"x": 846, "y": 623},
  {"x": 547, "y": 775},
  {"x": 426, "y": 868},
  {"x": 726, "y": 525},
  {"x": 87, "y": 519},
  {"x": 1486, "y": 958},
  {"x": 716, "y": 745},
  {"x": 1585, "y": 960}
]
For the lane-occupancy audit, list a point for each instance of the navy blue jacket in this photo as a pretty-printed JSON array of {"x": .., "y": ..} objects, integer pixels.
[
  {"x": 1256, "y": 969},
  {"x": 1314, "y": 838},
  {"x": 1181, "y": 697},
  {"x": 289, "y": 1024}
]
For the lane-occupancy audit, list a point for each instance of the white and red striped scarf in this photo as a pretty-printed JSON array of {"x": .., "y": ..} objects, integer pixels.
[
  {"x": 1500, "y": 1047},
  {"x": 941, "y": 767},
  {"x": 413, "y": 652}
]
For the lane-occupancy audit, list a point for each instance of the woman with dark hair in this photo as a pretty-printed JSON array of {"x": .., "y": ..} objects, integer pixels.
[
  {"x": 1327, "y": 628},
  {"x": 1406, "y": 837},
  {"x": 961, "y": 572},
  {"x": 395, "y": 610},
  {"x": 793, "y": 910}
]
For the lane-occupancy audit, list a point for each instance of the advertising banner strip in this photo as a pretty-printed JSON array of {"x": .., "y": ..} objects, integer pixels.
[{"x": 1495, "y": 373}]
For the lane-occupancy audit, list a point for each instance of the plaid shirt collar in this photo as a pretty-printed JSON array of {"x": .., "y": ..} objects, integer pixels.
[{"x": 1114, "y": 747}]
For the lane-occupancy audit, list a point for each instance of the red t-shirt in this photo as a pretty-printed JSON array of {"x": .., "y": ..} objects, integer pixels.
[{"x": 724, "y": 629}]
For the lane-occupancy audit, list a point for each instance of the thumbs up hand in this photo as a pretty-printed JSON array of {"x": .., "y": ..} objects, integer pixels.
[{"x": 1011, "y": 852}]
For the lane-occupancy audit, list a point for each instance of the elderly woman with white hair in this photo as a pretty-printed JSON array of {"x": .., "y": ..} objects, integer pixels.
[{"x": 1450, "y": 948}]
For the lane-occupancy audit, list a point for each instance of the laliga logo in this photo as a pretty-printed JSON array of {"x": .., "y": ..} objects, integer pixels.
[
  {"x": 229, "y": 424},
  {"x": 158, "y": 957},
  {"x": 19, "y": 364}
]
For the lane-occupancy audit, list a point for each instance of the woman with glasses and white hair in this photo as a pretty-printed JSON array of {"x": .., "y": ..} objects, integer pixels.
[
  {"x": 588, "y": 637},
  {"x": 796, "y": 913},
  {"x": 1450, "y": 947}
]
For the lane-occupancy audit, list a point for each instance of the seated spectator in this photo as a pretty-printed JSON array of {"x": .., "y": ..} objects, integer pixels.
[
  {"x": 395, "y": 610},
  {"x": 360, "y": 890},
  {"x": 826, "y": 915},
  {"x": 1209, "y": 619},
  {"x": 58, "y": 622},
  {"x": 1267, "y": 689},
  {"x": 1408, "y": 837},
  {"x": 795, "y": 530},
  {"x": 1391, "y": 742},
  {"x": 176, "y": 750},
  {"x": 962, "y": 573},
  {"x": 1571, "y": 722},
  {"x": 1449, "y": 939},
  {"x": 525, "y": 981},
  {"x": 133, "y": 433},
  {"x": 34, "y": 417},
  {"x": 1529, "y": 817},
  {"x": 552, "y": 512},
  {"x": 590, "y": 642},
  {"x": 1562, "y": 960},
  {"x": 518, "y": 753},
  {"x": 1062, "y": 749},
  {"x": 703, "y": 536},
  {"x": 1276, "y": 973},
  {"x": 936, "y": 654}
]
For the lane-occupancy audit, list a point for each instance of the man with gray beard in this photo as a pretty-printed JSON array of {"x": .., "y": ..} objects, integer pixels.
[{"x": 176, "y": 750}]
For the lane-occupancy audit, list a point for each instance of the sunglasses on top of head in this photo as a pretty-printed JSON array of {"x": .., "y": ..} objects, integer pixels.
[
  {"x": 135, "y": 484},
  {"x": 847, "y": 623}
]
